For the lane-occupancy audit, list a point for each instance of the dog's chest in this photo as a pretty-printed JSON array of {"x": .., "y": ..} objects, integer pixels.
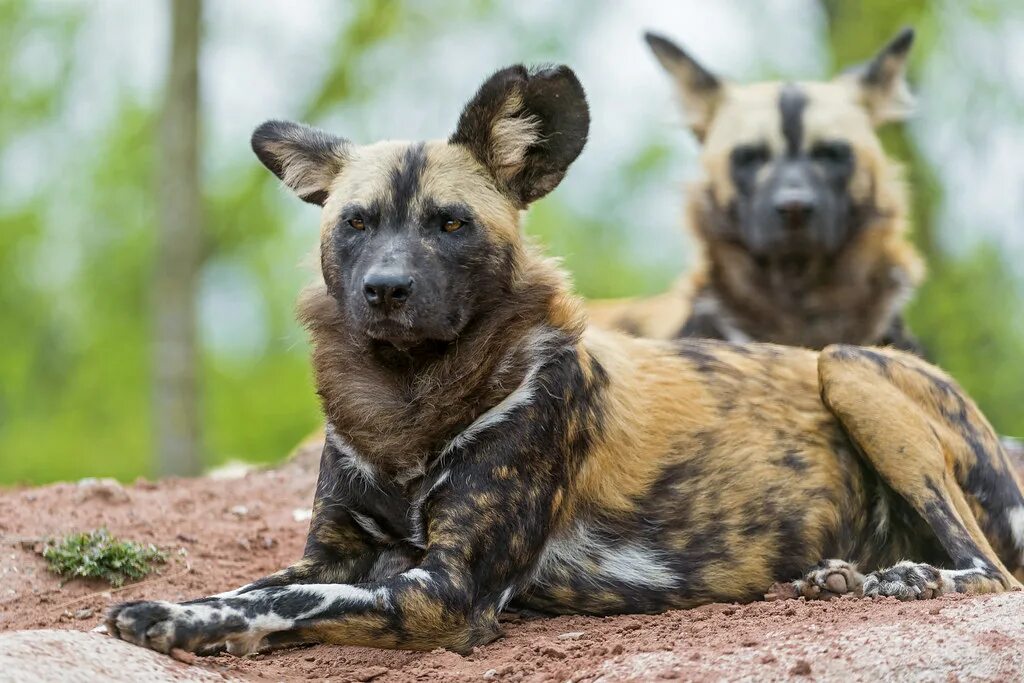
[{"x": 386, "y": 505}]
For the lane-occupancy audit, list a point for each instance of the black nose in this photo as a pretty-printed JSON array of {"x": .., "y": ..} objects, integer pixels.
[
  {"x": 794, "y": 205},
  {"x": 387, "y": 289}
]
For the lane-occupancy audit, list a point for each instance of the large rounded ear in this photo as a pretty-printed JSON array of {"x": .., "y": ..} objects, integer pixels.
[
  {"x": 883, "y": 80},
  {"x": 699, "y": 89},
  {"x": 526, "y": 127},
  {"x": 306, "y": 159}
]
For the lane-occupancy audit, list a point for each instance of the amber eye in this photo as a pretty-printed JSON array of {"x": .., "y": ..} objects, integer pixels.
[
  {"x": 451, "y": 225},
  {"x": 357, "y": 223}
]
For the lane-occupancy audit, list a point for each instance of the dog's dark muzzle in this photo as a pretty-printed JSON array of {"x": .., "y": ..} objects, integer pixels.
[{"x": 793, "y": 214}]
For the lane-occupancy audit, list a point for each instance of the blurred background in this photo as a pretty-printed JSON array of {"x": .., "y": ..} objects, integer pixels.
[{"x": 137, "y": 230}]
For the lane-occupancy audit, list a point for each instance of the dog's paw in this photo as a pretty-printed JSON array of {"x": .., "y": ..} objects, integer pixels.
[
  {"x": 143, "y": 623},
  {"x": 203, "y": 627},
  {"x": 906, "y": 581},
  {"x": 830, "y": 579}
]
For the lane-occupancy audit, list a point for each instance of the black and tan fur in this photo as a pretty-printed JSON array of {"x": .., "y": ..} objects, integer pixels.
[
  {"x": 798, "y": 212},
  {"x": 488, "y": 448}
]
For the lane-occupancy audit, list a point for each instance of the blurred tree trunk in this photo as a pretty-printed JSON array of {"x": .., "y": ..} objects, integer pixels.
[
  {"x": 857, "y": 30},
  {"x": 179, "y": 253}
]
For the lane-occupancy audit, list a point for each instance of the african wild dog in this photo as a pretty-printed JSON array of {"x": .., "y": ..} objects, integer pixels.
[
  {"x": 486, "y": 448},
  {"x": 800, "y": 215}
]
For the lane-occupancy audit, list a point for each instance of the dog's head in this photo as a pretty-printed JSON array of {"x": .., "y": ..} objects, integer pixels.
[
  {"x": 419, "y": 238},
  {"x": 793, "y": 168}
]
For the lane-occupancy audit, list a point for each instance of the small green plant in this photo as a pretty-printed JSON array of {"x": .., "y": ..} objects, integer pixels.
[{"x": 97, "y": 554}]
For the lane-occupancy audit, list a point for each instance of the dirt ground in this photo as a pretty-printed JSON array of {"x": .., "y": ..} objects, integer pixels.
[{"x": 223, "y": 533}]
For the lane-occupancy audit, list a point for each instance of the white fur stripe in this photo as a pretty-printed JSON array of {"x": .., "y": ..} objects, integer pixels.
[
  {"x": 581, "y": 552},
  {"x": 1015, "y": 516},
  {"x": 370, "y": 526},
  {"x": 541, "y": 344},
  {"x": 352, "y": 459},
  {"x": 421, "y": 576}
]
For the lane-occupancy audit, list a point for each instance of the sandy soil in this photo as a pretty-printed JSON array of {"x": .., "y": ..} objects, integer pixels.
[{"x": 222, "y": 533}]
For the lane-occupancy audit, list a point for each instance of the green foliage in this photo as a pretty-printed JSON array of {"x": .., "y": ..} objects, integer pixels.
[
  {"x": 76, "y": 245},
  {"x": 98, "y": 555},
  {"x": 577, "y": 239},
  {"x": 970, "y": 319}
]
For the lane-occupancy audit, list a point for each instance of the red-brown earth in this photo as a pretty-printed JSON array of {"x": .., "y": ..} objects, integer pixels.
[{"x": 221, "y": 533}]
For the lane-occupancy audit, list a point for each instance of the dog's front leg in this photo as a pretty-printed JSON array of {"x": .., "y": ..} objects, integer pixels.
[
  {"x": 486, "y": 522},
  {"x": 417, "y": 610}
]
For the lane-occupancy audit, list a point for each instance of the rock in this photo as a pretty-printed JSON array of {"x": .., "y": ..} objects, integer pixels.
[
  {"x": 84, "y": 613},
  {"x": 571, "y": 635},
  {"x": 234, "y": 469},
  {"x": 107, "y": 490},
  {"x": 84, "y": 657},
  {"x": 370, "y": 673}
]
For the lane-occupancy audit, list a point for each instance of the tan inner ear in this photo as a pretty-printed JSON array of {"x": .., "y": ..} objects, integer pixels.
[
  {"x": 512, "y": 135},
  {"x": 306, "y": 176},
  {"x": 699, "y": 106},
  {"x": 886, "y": 103}
]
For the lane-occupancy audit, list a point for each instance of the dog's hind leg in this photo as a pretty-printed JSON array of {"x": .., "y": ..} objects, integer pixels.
[{"x": 931, "y": 444}]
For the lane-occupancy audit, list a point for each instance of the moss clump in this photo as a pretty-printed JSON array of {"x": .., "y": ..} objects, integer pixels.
[{"x": 97, "y": 554}]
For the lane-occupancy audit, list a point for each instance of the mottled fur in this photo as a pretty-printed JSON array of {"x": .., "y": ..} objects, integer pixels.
[{"x": 535, "y": 462}]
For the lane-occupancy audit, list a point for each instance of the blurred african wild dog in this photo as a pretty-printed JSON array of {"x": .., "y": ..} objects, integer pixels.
[
  {"x": 485, "y": 448},
  {"x": 800, "y": 215}
]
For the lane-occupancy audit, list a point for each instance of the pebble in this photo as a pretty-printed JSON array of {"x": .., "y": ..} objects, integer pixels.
[
  {"x": 84, "y": 613},
  {"x": 801, "y": 668}
]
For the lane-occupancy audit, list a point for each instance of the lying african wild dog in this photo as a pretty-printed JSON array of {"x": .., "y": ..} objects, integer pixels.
[
  {"x": 800, "y": 215},
  {"x": 485, "y": 448}
]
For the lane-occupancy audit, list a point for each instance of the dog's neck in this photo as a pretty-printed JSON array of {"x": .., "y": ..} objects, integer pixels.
[{"x": 397, "y": 408}]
